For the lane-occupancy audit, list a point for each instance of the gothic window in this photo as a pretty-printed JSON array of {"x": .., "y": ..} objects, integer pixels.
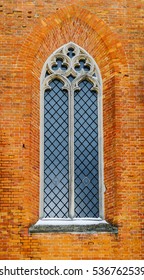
[{"x": 71, "y": 136}]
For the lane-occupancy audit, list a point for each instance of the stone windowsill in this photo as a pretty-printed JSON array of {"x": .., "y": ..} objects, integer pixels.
[{"x": 72, "y": 226}]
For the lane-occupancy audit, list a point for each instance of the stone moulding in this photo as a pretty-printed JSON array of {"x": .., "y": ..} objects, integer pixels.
[
  {"x": 100, "y": 227},
  {"x": 70, "y": 60},
  {"x": 70, "y": 63}
]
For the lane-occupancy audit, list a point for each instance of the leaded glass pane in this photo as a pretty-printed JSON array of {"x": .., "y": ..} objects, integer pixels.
[
  {"x": 86, "y": 152},
  {"x": 56, "y": 151},
  {"x": 71, "y": 168}
]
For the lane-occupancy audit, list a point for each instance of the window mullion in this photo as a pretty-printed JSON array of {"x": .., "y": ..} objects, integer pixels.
[{"x": 71, "y": 154}]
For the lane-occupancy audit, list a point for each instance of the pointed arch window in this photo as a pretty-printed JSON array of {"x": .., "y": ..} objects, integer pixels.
[{"x": 71, "y": 149}]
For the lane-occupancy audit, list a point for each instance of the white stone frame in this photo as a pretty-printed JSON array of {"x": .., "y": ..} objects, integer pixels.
[{"x": 80, "y": 54}]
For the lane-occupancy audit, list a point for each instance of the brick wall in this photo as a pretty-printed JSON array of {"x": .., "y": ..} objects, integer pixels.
[{"x": 112, "y": 33}]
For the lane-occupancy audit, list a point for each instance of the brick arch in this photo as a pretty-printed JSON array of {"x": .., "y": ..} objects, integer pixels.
[
  {"x": 73, "y": 14},
  {"x": 91, "y": 33}
]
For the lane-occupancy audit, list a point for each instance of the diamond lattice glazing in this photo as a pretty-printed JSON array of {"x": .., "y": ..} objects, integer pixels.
[
  {"x": 56, "y": 151},
  {"x": 86, "y": 152},
  {"x": 71, "y": 169}
]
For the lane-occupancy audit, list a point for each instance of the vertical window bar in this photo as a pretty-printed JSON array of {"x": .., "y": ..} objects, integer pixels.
[{"x": 71, "y": 155}]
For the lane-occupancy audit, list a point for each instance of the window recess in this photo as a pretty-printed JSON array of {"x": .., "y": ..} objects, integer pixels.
[{"x": 71, "y": 144}]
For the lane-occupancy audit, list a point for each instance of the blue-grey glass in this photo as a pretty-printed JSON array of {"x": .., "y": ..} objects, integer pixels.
[
  {"x": 71, "y": 78},
  {"x": 56, "y": 151},
  {"x": 82, "y": 65},
  {"x": 86, "y": 152},
  {"x": 59, "y": 64},
  {"x": 71, "y": 52}
]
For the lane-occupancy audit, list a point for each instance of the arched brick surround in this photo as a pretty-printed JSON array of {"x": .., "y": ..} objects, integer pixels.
[{"x": 83, "y": 28}]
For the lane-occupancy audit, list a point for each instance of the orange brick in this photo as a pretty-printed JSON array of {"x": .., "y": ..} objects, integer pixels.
[{"x": 112, "y": 33}]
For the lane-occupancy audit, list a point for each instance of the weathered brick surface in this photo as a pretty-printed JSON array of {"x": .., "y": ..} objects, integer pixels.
[{"x": 112, "y": 32}]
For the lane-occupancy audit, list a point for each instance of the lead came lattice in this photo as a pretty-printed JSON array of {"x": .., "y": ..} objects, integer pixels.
[
  {"x": 86, "y": 152},
  {"x": 71, "y": 84},
  {"x": 56, "y": 151}
]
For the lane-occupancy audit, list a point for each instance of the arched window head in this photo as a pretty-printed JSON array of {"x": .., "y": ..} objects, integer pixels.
[{"x": 71, "y": 148}]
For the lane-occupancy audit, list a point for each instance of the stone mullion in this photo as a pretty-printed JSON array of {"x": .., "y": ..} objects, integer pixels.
[{"x": 71, "y": 154}]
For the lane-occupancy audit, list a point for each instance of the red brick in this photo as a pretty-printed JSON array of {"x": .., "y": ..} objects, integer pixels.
[{"x": 112, "y": 33}]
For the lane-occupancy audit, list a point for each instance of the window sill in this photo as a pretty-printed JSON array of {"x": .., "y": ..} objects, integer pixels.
[{"x": 72, "y": 226}]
